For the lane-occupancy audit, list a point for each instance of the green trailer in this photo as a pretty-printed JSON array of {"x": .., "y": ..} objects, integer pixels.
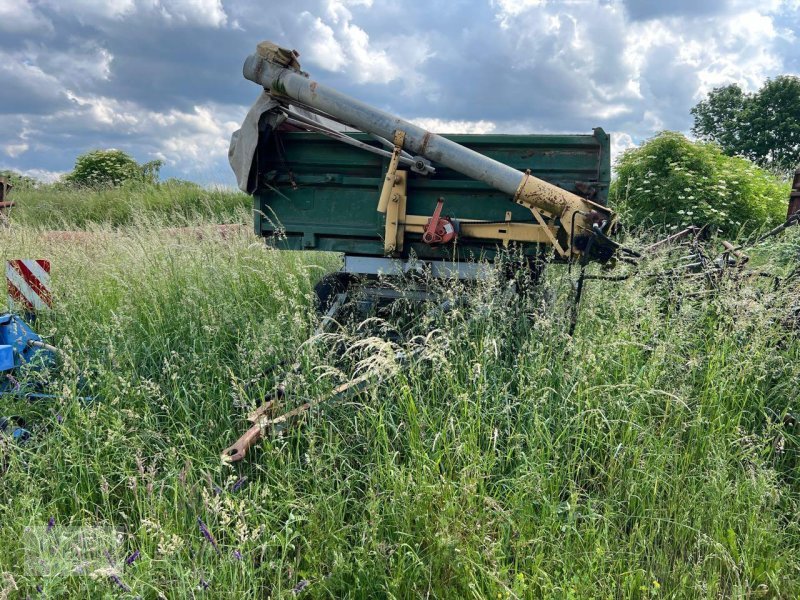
[
  {"x": 315, "y": 193},
  {"x": 331, "y": 173}
]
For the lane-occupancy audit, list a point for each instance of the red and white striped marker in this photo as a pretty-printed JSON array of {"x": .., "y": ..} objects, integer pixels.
[{"x": 29, "y": 283}]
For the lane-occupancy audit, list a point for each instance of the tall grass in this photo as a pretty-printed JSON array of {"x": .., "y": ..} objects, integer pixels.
[
  {"x": 651, "y": 455},
  {"x": 62, "y": 206}
]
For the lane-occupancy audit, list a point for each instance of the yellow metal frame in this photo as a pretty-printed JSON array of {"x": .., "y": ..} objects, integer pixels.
[
  {"x": 393, "y": 200},
  {"x": 390, "y": 180},
  {"x": 506, "y": 232},
  {"x": 398, "y": 224},
  {"x": 551, "y": 232},
  {"x": 394, "y": 234}
]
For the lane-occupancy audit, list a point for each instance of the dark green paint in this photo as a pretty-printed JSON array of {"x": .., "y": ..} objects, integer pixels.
[{"x": 320, "y": 194}]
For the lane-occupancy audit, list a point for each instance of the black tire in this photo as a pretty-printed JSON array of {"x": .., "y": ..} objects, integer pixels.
[
  {"x": 329, "y": 287},
  {"x": 526, "y": 271}
]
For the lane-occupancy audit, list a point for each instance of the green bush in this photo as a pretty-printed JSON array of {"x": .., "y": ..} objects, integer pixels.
[
  {"x": 110, "y": 168},
  {"x": 673, "y": 182}
]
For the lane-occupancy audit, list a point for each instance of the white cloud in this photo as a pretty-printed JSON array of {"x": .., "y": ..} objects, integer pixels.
[
  {"x": 720, "y": 49},
  {"x": 205, "y": 13},
  {"x": 337, "y": 10},
  {"x": 209, "y": 13},
  {"x": 14, "y": 150},
  {"x": 368, "y": 63},
  {"x": 83, "y": 65},
  {"x": 91, "y": 10},
  {"x": 642, "y": 74},
  {"x": 447, "y": 126},
  {"x": 332, "y": 41},
  {"x": 323, "y": 47},
  {"x": 44, "y": 175},
  {"x": 18, "y": 16},
  {"x": 190, "y": 140},
  {"x": 101, "y": 114},
  {"x": 37, "y": 81},
  {"x": 199, "y": 139},
  {"x": 742, "y": 53},
  {"x": 619, "y": 143},
  {"x": 508, "y": 9}
]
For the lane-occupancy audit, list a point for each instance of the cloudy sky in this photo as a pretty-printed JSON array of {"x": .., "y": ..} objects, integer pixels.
[{"x": 162, "y": 78}]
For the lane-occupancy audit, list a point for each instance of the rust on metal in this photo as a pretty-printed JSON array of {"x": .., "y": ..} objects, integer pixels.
[
  {"x": 505, "y": 231},
  {"x": 5, "y": 188},
  {"x": 264, "y": 419},
  {"x": 5, "y": 204},
  {"x": 794, "y": 195},
  {"x": 576, "y": 214},
  {"x": 586, "y": 189},
  {"x": 550, "y": 235},
  {"x": 674, "y": 237},
  {"x": 736, "y": 251},
  {"x": 424, "y": 146}
]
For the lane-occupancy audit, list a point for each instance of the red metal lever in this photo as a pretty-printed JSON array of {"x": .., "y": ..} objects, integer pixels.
[{"x": 439, "y": 230}]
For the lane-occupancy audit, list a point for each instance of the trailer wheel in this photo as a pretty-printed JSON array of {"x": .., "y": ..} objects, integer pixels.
[
  {"x": 329, "y": 287},
  {"x": 526, "y": 272}
]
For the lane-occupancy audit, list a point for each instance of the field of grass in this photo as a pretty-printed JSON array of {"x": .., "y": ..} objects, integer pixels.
[
  {"x": 61, "y": 206},
  {"x": 652, "y": 455}
]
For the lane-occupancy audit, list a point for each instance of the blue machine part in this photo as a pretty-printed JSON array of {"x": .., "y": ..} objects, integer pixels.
[
  {"x": 14, "y": 427},
  {"x": 20, "y": 345},
  {"x": 23, "y": 342},
  {"x": 6, "y": 357}
]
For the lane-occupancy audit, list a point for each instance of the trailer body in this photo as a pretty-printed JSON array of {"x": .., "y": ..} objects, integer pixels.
[{"x": 315, "y": 193}]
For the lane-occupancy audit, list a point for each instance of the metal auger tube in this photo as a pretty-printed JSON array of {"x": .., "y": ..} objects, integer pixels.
[
  {"x": 525, "y": 189},
  {"x": 282, "y": 81}
]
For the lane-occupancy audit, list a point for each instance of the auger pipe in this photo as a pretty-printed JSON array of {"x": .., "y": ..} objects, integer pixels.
[{"x": 525, "y": 189}]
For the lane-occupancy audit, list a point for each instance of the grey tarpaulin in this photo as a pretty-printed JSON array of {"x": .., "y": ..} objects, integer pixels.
[{"x": 244, "y": 140}]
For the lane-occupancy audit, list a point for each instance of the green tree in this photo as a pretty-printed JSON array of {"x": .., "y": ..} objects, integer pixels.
[
  {"x": 111, "y": 168},
  {"x": 673, "y": 182},
  {"x": 763, "y": 126},
  {"x": 150, "y": 170}
]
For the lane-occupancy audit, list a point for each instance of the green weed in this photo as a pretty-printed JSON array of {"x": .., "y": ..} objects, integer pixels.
[{"x": 61, "y": 206}]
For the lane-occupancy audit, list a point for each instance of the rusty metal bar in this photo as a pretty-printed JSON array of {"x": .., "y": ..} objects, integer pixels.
[
  {"x": 794, "y": 196},
  {"x": 672, "y": 238}
]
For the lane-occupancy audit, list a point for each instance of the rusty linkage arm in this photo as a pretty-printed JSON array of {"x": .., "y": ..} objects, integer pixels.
[
  {"x": 793, "y": 219},
  {"x": 267, "y": 418}
]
